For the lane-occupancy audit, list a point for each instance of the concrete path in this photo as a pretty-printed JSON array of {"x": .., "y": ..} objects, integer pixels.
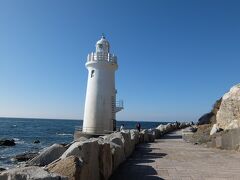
[{"x": 172, "y": 158}]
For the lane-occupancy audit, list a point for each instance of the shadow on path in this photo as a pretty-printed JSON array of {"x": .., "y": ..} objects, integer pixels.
[
  {"x": 136, "y": 167},
  {"x": 172, "y": 135}
]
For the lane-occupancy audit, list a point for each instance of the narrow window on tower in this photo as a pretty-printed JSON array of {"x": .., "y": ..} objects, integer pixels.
[{"x": 92, "y": 73}]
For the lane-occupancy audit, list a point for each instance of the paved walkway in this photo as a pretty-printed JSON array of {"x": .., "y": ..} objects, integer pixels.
[{"x": 172, "y": 158}]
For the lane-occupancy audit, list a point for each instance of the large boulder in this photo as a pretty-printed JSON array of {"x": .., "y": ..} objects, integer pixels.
[
  {"x": 157, "y": 133},
  {"x": 175, "y": 125},
  {"x": 105, "y": 160},
  {"x": 134, "y": 136},
  {"x": 25, "y": 156},
  {"x": 183, "y": 125},
  {"x": 88, "y": 151},
  {"x": 118, "y": 141},
  {"x": 147, "y": 135},
  {"x": 161, "y": 128},
  {"x": 48, "y": 155},
  {"x": 29, "y": 173},
  {"x": 127, "y": 143},
  {"x": 228, "y": 116},
  {"x": 169, "y": 127},
  {"x": 233, "y": 125},
  {"x": 117, "y": 154},
  {"x": 73, "y": 150},
  {"x": 144, "y": 136},
  {"x": 117, "y": 148},
  {"x": 151, "y": 135},
  {"x": 2, "y": 169},
  {"x": 69, "y": 167},
  {"x": 122, "y": 139},
  {"x": 80, "y": 139}
]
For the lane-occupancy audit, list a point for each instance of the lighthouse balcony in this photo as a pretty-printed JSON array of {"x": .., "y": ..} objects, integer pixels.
[
  {"x": 119, "y": 106},
  {"x": 99, "y": 56}
]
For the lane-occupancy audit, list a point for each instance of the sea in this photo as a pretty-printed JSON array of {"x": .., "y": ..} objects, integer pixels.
[{"x": 48, "y": 131}]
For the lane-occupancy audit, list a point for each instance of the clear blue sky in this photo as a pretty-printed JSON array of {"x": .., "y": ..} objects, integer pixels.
[{"x": 175, "y": 57}]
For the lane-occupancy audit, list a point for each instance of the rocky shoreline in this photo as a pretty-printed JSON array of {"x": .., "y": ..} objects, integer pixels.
[
  {"x": 92, "y": 159},
  {"x": 220, "y": 128}
]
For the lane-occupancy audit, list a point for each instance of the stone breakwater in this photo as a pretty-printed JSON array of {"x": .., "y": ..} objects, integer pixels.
[{"x": 92, "y": 159}]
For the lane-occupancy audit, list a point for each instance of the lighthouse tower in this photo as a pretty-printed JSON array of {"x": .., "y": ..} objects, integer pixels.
[{"x": 100, "y": 104}]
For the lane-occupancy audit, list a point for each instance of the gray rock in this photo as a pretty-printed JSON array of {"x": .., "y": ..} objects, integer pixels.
[
  {"x": 157, "y": 133},
  {"x": 73, "y": 150},
  {"x": 117, "y": 148},
  {"x": 80, "y": 139},
  {"x": 25, "y": 156},
  {"x": 233, "y": 125},
  {"x": 127, "y": 143},
  {"x": 169, "y": 127},
  {"x": 114, "y": 136},
  {"x": 134, "y": 136},
  {"x": 29, "y": 173},
  {"x": 117, "y": 154},
  {"x": 2, "y": 169},
  {"x": 48, "y": 155},
  {"x": 122, "y": 146},
  {"x": 90, "y": 154},
  {"x": 145, "y": 135},
  {"x": 117, "y": 140},
  {"x": 122, "y": 139},
  {"x": 161, "y": 128},
  {"x": 69, "y": 167},
  {"x": 36, "y": 141},
  {"x": 7, "y": 142},
  {"x": 105, "y": 160},
  {"x": 182, "y": 125},
  {"x": 88, "y": 151},
  {"x": 228, "y": 116},
  {"x": 151, "y": 135}
]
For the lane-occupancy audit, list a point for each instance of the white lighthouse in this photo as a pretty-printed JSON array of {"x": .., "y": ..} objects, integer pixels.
[{"x": 100, "y": 105}]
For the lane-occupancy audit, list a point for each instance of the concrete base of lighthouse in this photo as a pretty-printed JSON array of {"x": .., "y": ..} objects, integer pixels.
[{"x": 78, "y": 134}]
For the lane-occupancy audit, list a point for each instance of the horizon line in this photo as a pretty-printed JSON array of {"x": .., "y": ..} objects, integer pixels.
[{"x": 38, "y": 118}]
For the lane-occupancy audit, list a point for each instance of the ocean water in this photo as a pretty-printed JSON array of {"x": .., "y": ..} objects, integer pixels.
[{"x": 47, "y": 131}]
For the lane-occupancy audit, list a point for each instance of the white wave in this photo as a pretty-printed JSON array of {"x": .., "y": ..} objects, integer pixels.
[
  {"x": 64, "y": 134},
  {"x": 13, "y": 160},
  {"x": 3, "y": 157},
  {"x": 18, "y": 141}
]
